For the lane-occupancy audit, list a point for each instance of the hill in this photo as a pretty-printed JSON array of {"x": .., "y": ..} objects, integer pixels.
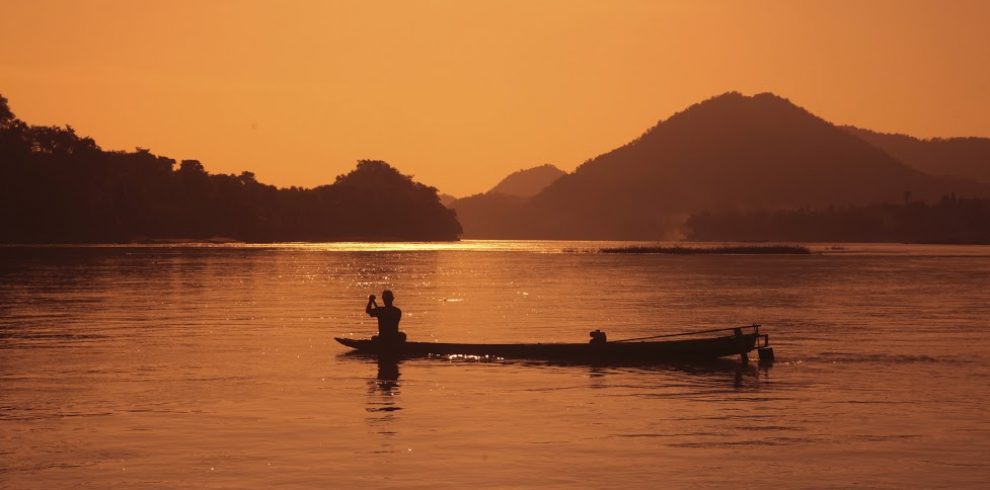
[
  {"x": 447, "y": 199},
  {"x": 494, "y": 214},
  {"x": 490, "y": 215},
  {"x": 967, "y": 158},
  {"x": 528, "y": 182},
  {"x": 58, "y": 187},
  {"x": 731, "y": 152}
]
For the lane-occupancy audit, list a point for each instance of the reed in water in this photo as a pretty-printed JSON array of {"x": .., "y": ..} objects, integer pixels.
[{"x": 725, "y": 249}]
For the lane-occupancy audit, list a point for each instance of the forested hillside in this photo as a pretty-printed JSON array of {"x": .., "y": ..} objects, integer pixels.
[{"x": 58, "y": 187}]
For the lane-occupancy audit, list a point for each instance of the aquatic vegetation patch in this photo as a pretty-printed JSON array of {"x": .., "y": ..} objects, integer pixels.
[{"x": 726, "y": 250}]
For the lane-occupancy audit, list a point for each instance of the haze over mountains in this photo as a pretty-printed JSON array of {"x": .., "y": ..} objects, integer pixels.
[
  {"x": 529, "y": 182},
  {"x": 729, "y": 153},
  {"x": 489, "y": 213},
  {"x": 967, "y": 158}
]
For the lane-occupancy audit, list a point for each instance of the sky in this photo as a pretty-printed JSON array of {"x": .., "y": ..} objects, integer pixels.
[{"x": 461, "y": 93}]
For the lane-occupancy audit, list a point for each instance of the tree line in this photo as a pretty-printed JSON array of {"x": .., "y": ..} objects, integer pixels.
[
  {"x": 951, "y": 219},
  {"x": 59, "y": 187}
]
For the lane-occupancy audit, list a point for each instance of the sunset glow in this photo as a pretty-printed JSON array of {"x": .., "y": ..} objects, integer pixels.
[{"x": 459, "y": 94}]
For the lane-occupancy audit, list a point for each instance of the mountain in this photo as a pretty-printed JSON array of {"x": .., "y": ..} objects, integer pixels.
[
  {"x": 490, "y": 215},
  {"x": 967, "y": 158},
  {"x": 446, "y": 199},
  {"x": 493, "y": 214},
  {"x": 730, "y": 152},
  {"x": 528, "y": 182}
]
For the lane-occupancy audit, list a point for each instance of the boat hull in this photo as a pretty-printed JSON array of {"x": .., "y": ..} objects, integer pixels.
[{"x": 657, "y": 351}]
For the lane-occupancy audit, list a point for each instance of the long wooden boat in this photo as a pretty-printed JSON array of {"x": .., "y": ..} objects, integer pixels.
[{"x": 742, "y": 341}]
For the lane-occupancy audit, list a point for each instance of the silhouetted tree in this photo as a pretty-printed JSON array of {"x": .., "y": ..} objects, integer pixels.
[
  {"x": 952, "y": 219},
  {"x": 56, "y": 186}
]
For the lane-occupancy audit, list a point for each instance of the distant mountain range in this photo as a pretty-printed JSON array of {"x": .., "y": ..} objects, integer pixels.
[
  {"x": 529, "y": 182},
  {"x": 491, "y": 213},
  {"x": 729, "y": 156},
  {"x": 728, "y": 153},
  {"x": 967, "y": 158}
]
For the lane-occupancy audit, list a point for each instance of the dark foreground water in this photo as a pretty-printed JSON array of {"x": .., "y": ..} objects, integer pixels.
[{"x": 214, "y": 367}]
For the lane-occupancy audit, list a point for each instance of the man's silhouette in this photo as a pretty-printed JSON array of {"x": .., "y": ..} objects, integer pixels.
[{"x": 388, "y": 318}]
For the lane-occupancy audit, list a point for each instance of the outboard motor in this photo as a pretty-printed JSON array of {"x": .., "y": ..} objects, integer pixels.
[
  {"x": 766, "y": 355},
  {"x": 597, "y": 337}
]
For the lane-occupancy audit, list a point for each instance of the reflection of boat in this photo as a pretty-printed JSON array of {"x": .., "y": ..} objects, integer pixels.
[{"x": 645, "y": 349}]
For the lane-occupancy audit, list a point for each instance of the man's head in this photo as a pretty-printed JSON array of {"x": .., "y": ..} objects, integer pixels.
[{"x": 388, "y": 297}]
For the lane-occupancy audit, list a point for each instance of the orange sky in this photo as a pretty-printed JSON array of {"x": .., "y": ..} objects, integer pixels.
[{"x": 460, "y": 93}]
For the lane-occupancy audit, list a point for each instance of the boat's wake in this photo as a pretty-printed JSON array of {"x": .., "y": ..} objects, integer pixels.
[{"x": 859, "y": 358}]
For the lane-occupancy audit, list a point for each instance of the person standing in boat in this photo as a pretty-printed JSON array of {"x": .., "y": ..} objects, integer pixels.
[{"x": 388, "y": 318}]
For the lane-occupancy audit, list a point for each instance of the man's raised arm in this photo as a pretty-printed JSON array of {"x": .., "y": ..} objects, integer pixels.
[{"x": 371, "y": 305}]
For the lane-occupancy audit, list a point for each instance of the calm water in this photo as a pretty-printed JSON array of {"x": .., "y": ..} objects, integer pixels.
[{"x": 214, "y": 367}]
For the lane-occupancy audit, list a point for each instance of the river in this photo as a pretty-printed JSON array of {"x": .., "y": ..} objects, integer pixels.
[{"x": 213, "y": 366}]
